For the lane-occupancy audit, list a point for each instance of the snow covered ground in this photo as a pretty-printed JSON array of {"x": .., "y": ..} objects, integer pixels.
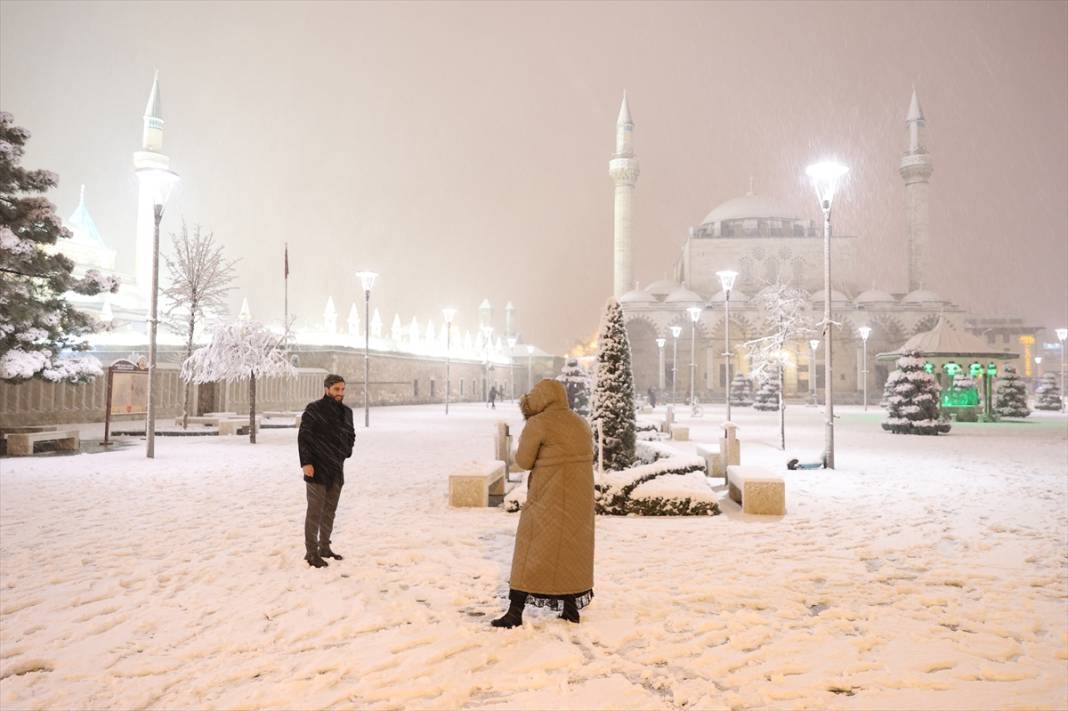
[{"x": 924, "y": 573}]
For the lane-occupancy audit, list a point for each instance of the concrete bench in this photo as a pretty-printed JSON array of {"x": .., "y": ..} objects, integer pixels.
[
  {"x": 279, "y": 415},
  {"x": 475, "y": 482},
  {"x": 227, "y": 424},
  {"x": 713, "y": 459},
  {"x": 756, "y": 490},
  {"x": 680, "y": 433},
  {"x": 21, "y": 444}
]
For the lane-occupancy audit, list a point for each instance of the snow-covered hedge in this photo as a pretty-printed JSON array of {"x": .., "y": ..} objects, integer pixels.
[{"x": 672, "y": 486}]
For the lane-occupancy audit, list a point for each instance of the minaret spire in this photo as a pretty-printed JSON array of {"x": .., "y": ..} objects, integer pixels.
[
  {"x": 623, "y": 168},
  {"x": 915, "y": 121},
  {"x": 915, "y": 169}
]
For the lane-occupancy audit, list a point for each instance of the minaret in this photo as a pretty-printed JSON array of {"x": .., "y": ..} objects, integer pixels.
[
  {"x": 916, "y": 169},
  {"x": 149, "y": 157},
  {"x": 623, "y": 168}
]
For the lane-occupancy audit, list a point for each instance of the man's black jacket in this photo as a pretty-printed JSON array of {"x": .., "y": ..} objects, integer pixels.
[{"x": 325, "y": 440}]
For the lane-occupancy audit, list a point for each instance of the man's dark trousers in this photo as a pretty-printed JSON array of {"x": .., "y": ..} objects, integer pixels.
[{"x": 319, "y": 521}]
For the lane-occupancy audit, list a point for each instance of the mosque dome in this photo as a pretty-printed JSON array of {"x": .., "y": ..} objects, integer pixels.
[
  {"x": 836, "y": 296},
  {"x": 638, "y": 297},
  {"x": 662, "y": 287},
  {"x": 682, "y": 295},
  {"x": 748, "y": 207},
  {"x": 922, "y": 296},
  {"x": 875, "y": 296}
]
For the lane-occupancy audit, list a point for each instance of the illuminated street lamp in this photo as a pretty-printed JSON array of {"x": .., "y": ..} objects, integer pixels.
[
  {"x": 530, "y": 367},
  {"x": 814, "y": 345},
  {"x": 726, "y": 280},
  {"x": 158, "y": 183},
  {"x": 676, "y": 331},
  {"x": 825, "y": 177},
  {"x": 512, "y": 340},
  {"x": 864, "y": 332},
  {"x": 448, "y": 315},
  {"x": 367, "y": 281},
  {"x": 1062, "y": 335},
  {"x": 660, "y": 347},
  {"x": 695, "y": 316}
]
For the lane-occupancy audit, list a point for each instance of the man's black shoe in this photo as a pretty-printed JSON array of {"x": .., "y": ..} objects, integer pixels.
[
  {"x": 330, "y": 554},
  {"x": 316, "y": 562}
]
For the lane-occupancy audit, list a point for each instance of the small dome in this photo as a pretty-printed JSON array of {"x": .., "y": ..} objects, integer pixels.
[
  {"x": 637, "y": 297},
  {"x": 736, "y": 297},
  {"x": 682, "y": 295},
  {"x": 875, "y": 296},
  {"x": 662, "y": 288},
  {"x": 748, "y": 207},
  {"x": 921, "y": 296},
  {"x": 836, "y": 296}
]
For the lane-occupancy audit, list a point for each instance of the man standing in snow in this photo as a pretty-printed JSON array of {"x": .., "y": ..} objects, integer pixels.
[
  {"x": 324, "y": 442},
  {"x": 493, "y": 397}
]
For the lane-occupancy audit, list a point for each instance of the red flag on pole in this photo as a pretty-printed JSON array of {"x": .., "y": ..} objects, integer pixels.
[{"x": 287, "y": 260}]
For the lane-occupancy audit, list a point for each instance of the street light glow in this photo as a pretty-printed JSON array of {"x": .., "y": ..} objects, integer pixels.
[
  {"x": 815, "y": 343},
  {"x": 676, "y": 331},
  {"x": 864, "y": 332},
  {"x": 726, "y": 279},
  {"x": 367, "y": 279},
  {"x": 826, "y": 176},
  {"x": 695, "y": 313},
  {"x": 1062, "y": 334},
  {"x": 448, "y": 314},
  {"x": 660, "y": 342},
  {"x": 159, "y": 182}
]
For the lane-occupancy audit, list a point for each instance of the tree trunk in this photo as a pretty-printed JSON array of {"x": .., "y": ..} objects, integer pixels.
[
  {"x": 782, "y": 408},
  {"x": 188, "y": 385},
  {"x": 252, "y": 409}
]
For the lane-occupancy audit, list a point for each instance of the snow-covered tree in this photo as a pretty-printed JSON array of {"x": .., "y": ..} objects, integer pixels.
[
  {"x": 1010, "y": 399},
  {"x": 767, "y": 396},
  {"x": 577, "y": 383},
  {"x": 1048, "y": 393},
  {"x": 239, "y": 350},
  {"x": 200, "y": 279},
  {"x": 913, "y": 402},
  {"x": 40, "y": 330},
  {"x": 613, "y": 391},
  {"x": 741, "y": 391}
]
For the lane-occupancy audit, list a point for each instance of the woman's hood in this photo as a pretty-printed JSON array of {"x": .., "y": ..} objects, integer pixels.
[{"x": 547, "y": 394}]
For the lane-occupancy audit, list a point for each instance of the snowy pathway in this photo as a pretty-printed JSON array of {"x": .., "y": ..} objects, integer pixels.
[{"x": 925, "y": 572}]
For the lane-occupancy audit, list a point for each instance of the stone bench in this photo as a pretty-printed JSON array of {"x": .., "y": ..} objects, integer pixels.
[
  {"x": 21, "y": 444},
  {"x": 475, "y": 482},
  {"x": 680, "y": 433},
  {"x": 757, "y": 491},
  {"x": 713, "y": 459},
  {"x": 227, "y": 424}
]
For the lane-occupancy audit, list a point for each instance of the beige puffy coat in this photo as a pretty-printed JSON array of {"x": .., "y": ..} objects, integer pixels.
[{"x": 554, "y": 541}]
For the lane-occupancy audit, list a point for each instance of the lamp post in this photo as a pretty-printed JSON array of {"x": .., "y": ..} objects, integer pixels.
[
  {"x": 864, "y": 332},
  {"x": 695, "y": 315},
  {"x": 530, "y": 367},
  {"x": 160, "y": 182},
  {"x": 660, "y": 377},
  {"x": 367, "y": 281},
  {"x": 726, "y": 280},
  {"x": 825, "y": 177},
  {"x": 1062, "y": 335},
  {"x": 448, "y": 315},
  {"x": 676, "y": 331},
  {"x": 512, "y": 340},
  {"x": 487, "y": 365},
  {"x": 814, "y": 345}
]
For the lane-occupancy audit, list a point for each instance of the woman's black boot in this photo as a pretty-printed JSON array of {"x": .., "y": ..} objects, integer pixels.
[
  {"x": 570, "y": 613},
  {"x": 514, "y": 616}
]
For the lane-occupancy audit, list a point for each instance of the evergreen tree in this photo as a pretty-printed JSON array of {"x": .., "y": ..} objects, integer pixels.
[
  {"x": 577, "y": 383},
  {"x": 1010, "y": 399},
  {"x": 913, "y": 403},
  {"x": 741, "y": 391},
  {"x": 37, "y": 323},
  {"x": 1048, "y": 393},
  {"x": 767, "y": 397},
  {"x": 613, "y": 392}
]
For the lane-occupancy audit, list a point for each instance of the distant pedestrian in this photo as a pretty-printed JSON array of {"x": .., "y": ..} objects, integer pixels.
[
  {"x": 652, "y": 397},
  {"x": 325, "y": 441},
  {"x": 552, "y": 565},
  {"x": 493, "y": 397}
]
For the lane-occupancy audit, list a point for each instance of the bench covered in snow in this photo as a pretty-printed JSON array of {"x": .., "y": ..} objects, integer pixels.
[
  {"x": 20, "y": 444},
  {"x": 680, "y": 433},
  {"x": 756, "y": 490},
  {"x": 475, "y": 482},
  {"x": 713, "y": 459},
  {"x": 228, "y": 423}
]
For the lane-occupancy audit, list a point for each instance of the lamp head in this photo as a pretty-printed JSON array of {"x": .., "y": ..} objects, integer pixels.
[
  {"x": 530, "y": 349},
  {"x": 695, "y": 313},
  {"x": 864, "y": 332},
  {"x": 449, "y": 315},
  {"x": 825, "y": 177},
  {"x": 676, "y": 331},
  {"x": 367, "y": 279},
  {"x": 159, "y": 182},
  {"x": 815, "y": 343},
  {"x": 1038, "y": 360},
  {"x": 660, "y": 342},
  {"x": 1062, "y": 334},
  {"x": 512, "y": 340},
  {"x": 726, "y": 279}
]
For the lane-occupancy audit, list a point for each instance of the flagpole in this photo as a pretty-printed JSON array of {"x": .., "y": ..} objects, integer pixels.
[{"x": 285, "y": 324}]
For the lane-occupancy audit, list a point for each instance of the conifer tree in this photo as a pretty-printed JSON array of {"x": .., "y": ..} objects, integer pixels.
[
  {"x": 1048, "y": 393},
  {"x": 613, "y": 393},
  {"x": 741, "y": 391},
  {"x": 912, "y": 405},
  {"x": 577, "y": 383},
  {"x": 1010, "y": 399}
]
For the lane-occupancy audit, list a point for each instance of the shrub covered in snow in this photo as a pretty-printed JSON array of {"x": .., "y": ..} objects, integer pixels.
[
  {"x": 1010, "y": 399},
  {"x": 613, "y": 393},
  {"x": 39, "y": 326},
  {"x": 577, "y": 383},
  {"x": 615, "y": 491},
  {"x": 1048, "y": 393},
  {"x": 674, "y": 495},
  {"x": 741, "y": 391},
  {"x": 913, "y": 401},
  {"x": 767, "y": 397}
]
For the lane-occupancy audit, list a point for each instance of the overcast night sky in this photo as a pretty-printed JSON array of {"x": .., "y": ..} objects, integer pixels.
[{"x": 461, "y": 149}]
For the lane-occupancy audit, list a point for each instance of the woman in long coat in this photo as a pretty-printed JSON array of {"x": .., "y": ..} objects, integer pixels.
[{"x": 552, "y": 565}]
